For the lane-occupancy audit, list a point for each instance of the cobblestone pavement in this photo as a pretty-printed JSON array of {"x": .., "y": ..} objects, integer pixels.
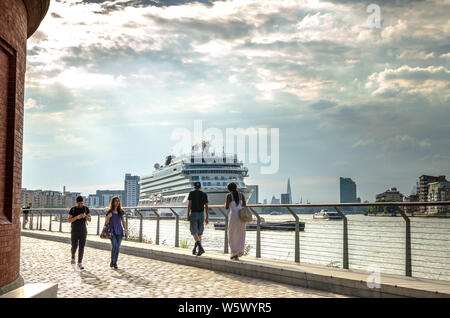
[{"x": 46, "y": 261}]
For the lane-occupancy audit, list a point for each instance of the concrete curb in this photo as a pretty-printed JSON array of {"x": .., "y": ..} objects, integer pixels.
[{"x": 338, "y": 281}]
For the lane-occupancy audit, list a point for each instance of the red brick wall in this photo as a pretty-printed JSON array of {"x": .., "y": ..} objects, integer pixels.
[{"x": 13, "y": 35}]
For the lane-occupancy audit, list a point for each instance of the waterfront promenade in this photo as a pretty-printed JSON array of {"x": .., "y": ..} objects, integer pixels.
[
  {"x": 148, "y": 270},
  {"x": 49, "y": 261}
]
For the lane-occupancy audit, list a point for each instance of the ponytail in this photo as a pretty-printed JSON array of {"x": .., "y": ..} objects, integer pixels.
[{"x": 232, "y": 187}]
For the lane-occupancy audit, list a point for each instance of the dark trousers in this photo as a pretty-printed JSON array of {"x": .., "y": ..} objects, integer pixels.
[{"x": 78, "y": 241}]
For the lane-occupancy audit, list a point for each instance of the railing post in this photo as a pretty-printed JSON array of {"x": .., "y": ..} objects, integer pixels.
[
  {"x": 225, "y": 245},
  {"x": 126, "y": 225},
  {"x": 31, "y": 220},
  {"x": 408, "y": 262},
  {"x": 60, "y": 221},
  {"x": 258, "y": 233},
  {"x": 297, "y": 235},
  {"x": 177, "y": 227},
  {"x": 157, "y": 226},
  {"x": 50, "y": 224},
  {"x": 140, "y": 225},
  {"x": 345, "y": 256},
  {"x": 40, "y": 221},
  {"x": 98, "y": 221}
]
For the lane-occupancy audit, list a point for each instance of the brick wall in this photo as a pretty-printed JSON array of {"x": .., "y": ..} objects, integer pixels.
[{"x": 13, "y": 36}]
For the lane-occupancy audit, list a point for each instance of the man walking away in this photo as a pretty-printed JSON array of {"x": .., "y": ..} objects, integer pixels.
[
  {"x": 198, "y": 203},
  {"x": 78, "y": 216},
  {"x": 25, "y": 212}
]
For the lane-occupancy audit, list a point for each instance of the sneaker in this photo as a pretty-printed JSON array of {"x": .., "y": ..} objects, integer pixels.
[
  {"x": 115, "y": 266},
  {"x": 72, "y": 261},
  {"x": 111, "y": 264},
  {"x": 80, "y": 266},
  {"x": 194, "y": 251}
]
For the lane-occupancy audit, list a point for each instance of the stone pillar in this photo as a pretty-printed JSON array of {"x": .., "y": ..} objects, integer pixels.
[{"x": 18, "y": 21}]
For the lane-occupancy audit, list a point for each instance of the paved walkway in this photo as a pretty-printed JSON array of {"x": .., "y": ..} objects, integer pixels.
[{"x": 47, "y": 261}]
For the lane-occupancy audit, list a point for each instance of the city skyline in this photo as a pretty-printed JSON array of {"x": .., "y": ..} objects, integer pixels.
[
  {"x": 107, "y": 84},
  {"x": 278, "y": 196}
]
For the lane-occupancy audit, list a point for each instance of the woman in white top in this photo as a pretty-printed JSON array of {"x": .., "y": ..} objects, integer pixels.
[{"x": 236, "y": 228}]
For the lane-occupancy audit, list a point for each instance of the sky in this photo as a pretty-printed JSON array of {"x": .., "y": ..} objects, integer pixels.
[{"x": 108, "y": 82}]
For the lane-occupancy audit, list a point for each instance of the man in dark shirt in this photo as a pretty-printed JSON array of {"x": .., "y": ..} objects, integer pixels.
[
  {"x": 198, "y": 202},
  {"x": 78, "y": 216}
]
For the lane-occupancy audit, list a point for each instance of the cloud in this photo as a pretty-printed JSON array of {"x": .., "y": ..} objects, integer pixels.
[
  {"x": 30, "y": 103},
  {"x": 71, "y": 139},
  {"x": 126, "y": 72},
  {"x": 411, "y": 80}
]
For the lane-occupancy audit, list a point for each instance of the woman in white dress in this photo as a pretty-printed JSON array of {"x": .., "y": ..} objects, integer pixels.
[{"x": 236, "y": 228}]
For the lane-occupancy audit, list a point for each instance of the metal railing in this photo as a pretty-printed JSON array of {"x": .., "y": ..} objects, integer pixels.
[{"x": 354, "y": 241}]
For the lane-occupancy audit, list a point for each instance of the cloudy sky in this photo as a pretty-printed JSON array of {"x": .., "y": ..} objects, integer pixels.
[{"x": 108, "y": 82}]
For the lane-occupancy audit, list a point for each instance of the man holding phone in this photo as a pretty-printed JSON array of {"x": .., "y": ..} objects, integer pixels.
[{"x": 78, "y": 216}]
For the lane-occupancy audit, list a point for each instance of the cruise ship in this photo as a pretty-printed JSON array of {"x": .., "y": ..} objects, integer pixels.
[{"x": 170, "y": 184}]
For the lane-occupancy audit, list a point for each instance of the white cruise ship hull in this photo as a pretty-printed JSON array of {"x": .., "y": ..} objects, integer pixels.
[{"x": 215, "y": 197}]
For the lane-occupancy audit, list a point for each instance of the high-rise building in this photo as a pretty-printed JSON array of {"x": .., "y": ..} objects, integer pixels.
[
  {"x": 424, "y": 180},
  {"x": 265, "y": 201},
  {"x": 438, "y": 191},
  {"x": 285, "y": 198},
  {"x": 254, "y": 199},
  {"x": 348, "y": 190},
  {"x": 131, "y": 190},
  {"x": 288, "y": 192},
  {"x": 105, "y": 196}
]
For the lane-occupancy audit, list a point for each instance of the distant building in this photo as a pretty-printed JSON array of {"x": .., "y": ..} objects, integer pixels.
[
  {"x": 275, "y": 200},
  {"x": 265, "y": 201},
  {"x": 105, "y": 196},
  {"x": 131, "y": 190},
  {"x": 391, "y": 194},
  {"x": 94, "y": 201},
  {"x": 288, "y": 192},
  {"x": 438, "y": 191},
  {"x": 254, "y": 197},
  {"x": 285, "y": 198},
  {"x": 411, "y": 198},
  {"x": 70, "y": 198},
  {"x": 424, "y": 180},
  {"x": 48, "y": 198},
  {"x": 347, "y": 189}
]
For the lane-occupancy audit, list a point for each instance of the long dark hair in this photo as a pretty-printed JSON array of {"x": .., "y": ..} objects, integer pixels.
[
  {"x": 232, "y": 187},
  {"x": 119, "y": 207}
]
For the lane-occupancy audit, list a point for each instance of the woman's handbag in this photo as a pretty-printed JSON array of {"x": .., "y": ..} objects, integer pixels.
[
  {"x": 245, "y": 215},
  {"x": 106, "y": 232}
]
